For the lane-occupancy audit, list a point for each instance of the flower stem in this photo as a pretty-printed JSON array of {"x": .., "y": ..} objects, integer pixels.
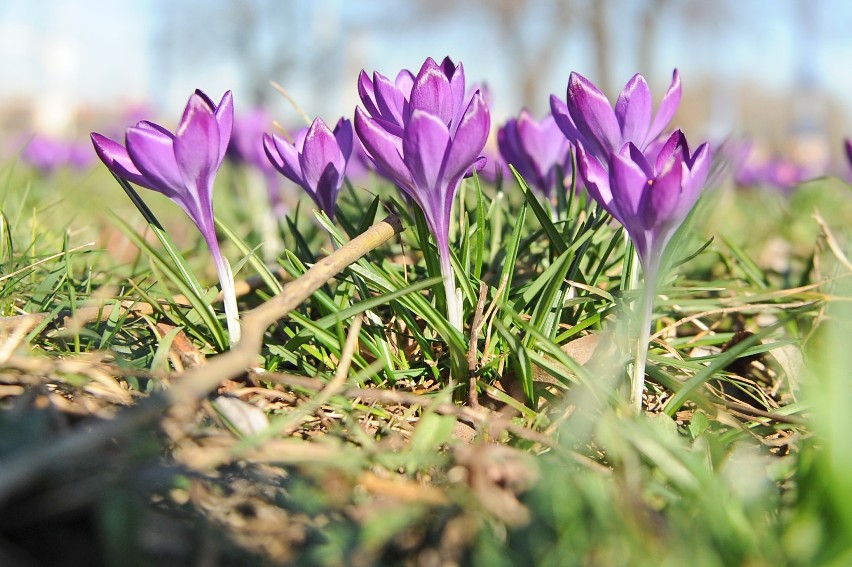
[
  {"x": 646, "y": 310},
  {"x": 454, "y": 314}
]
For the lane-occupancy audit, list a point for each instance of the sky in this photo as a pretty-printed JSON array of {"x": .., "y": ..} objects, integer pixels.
[{"x": 99, "y": 53}]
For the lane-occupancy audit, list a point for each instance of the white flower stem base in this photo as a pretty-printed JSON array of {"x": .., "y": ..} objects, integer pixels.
[
  {"x": 229, "y": 297},
  {"x": 454, "y": 305}
]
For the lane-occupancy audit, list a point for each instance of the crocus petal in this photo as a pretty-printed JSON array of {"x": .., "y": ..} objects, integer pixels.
[
  {"x": 328, "y": 186},
  {"x": 299, "y": 139},
  {"x": 673, "y": 144},
  {"x": 628, "y": 181},
  {"x": 116, "y": 158},
  {"x": 196, "y": 148},
  {"x": 478, "y": 166},
  {"x": 633, "y": 110},
  {"x": 511, "y": 149},
  {"x": 366, "y": 92},
  {"x": 596, "y": 179},
  {"x": 554, "y": 145},
  {"x": 345, "y": 137},
  {"x": 593, "y": 116},
  {"x": 147, "y": 125},
  {"x": 448, "y": 66},
  {"x": 225, "y": 120},
  {"x": 431, "y": 92},
  {"x": 545, "y": 147},
  {"x": 532, "y": 140},
  {"x": 662, "y": 199},
  {"x": 469, "y": 139},
  {"x": 424, "y": 147},
  {"x": 457, "y": 88},
  {"x": 154, "y": 155},
  {"x": 847, "y": 144},
  {"x": 404, "y": 81},
  {"x": 384, "y": 149},
  {"x": 390, "y": 101},
  {"x": 635, "y": 155},
  {"x": 272, "y": 152},
  {"x": 698, "y": 171},
  {"x": 563, "y": 119},
  {"x": 667, "y": 110},
  {"x": 284, "y": 157},
  {"x": 653, "y": 149},
  {"x": 320, "y": 151}
]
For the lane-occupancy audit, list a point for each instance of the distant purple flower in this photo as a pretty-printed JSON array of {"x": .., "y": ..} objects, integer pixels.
[
  {"x": 650, "y": 197},
  {"x": 589, "y": 119},
  {"x": 426, "y": 140},
  {"x": 783, "y": 174},
  {"x": 316, "y": 160},
  {"x": 247, "y": 147},
  {"x": 48, "y": 154},
  {"x": 183, "y": 167},
  {"x": 45, "y": 153},
  {"x": 537, "y": 149},
  {"x": 754, "y": 168}
]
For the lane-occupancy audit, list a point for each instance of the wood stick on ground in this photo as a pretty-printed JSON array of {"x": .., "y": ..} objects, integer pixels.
[{"x": 27, "y": 467}]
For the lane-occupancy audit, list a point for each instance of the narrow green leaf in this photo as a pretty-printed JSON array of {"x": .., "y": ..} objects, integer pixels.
[
  {"x": 553, "y": 235},
  {"x": 479, "y": 235},
  {"x": 519, "y": 361},
  {"x": 250, "y": 253}
]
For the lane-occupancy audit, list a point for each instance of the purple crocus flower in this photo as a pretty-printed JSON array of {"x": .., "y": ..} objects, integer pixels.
[
  {"x": 651, "y": 198},
  {"x": 426, "y": 140},
  {"x": 182, "y": 166},
  {"x": 589, "y": 119},
  {"x": 316, "y": 161},
  {"x": 537, "y": 149}
]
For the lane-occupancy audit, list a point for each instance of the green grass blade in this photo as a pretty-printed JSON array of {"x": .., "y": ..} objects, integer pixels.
[{"x": 256, "y": 262}]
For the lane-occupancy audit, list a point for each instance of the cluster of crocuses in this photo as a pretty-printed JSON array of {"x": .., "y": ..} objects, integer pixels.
[{"x": 425, "y": 132}]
